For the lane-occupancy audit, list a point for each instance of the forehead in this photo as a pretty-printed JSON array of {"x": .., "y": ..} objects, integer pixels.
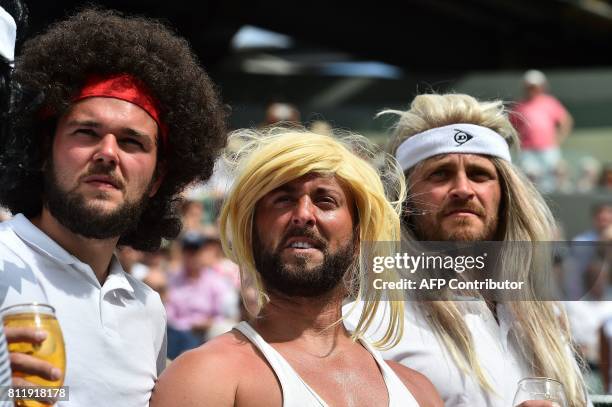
[
  {"x": 313, "y": 181},
  {"x": 105, "y": 110},
  {"x": 457, "y": 160}
]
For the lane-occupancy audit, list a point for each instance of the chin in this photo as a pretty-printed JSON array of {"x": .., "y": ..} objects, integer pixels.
[
  {"x": 102, "y": 206},
  {"x": 466, "y": 234}
]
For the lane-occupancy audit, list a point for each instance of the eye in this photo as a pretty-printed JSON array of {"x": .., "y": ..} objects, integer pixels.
[
  {"x": 86, "y": 132},
  {"x": 281, "y": 199},
  {"x": 327, "y": 201},
  {"x": 133, "y": 142},
  {"x": 438, "y": 174},
  {"x": 481, "y": 175}
]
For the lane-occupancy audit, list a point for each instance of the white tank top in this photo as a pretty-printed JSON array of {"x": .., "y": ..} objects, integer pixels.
[{"x": 296, "y": 393}]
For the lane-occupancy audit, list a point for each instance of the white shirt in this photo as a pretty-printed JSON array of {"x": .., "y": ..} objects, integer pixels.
[
  {"x": 421, "y": 350},
  {"x": 115, "y": 334},
  {"x": 297, "y": 393},
  {"x": 8, "y": 33}
]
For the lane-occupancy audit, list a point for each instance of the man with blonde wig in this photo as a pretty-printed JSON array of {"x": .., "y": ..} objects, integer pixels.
[
  {"x": 462, "y": 186},
  {"x": 300, "y": 206}
]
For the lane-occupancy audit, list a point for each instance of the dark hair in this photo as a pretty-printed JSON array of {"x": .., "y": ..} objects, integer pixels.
[{"x": 94, "y": 41}]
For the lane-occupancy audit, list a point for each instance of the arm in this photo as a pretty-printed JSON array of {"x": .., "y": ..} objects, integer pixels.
[
  {"x": 566, "y": 124},
  {"x": 564, "y": 120},
  {"x": 421, "y": 388},
  {"x": 198, "y": 378}
]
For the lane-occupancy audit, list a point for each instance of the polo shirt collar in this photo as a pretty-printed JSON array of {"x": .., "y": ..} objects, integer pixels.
[
  {"x": 33, "y": 236},
  {"x": 38, "y": 239}
]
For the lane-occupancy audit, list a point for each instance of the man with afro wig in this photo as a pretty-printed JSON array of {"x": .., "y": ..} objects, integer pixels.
[{"x": 120, "y": 118}]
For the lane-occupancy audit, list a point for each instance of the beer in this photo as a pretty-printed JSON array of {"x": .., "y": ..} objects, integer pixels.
[{"x": 40, "y": 317}]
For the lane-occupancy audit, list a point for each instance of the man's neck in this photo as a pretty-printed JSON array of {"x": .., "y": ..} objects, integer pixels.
[
  {"x": 94, "y": 252},
  {"x": 309, "y": 323}
]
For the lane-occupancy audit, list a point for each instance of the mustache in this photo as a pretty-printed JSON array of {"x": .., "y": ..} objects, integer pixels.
[
  {"x": 467, "y": 206},
  {"x": 304, "y": 232},
  {"x": 105, "y": 170}
]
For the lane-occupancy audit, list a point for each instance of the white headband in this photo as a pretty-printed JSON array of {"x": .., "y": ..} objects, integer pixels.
[
  {"x": 459, "y": 138},
  {"x": 8, "y": 32}
]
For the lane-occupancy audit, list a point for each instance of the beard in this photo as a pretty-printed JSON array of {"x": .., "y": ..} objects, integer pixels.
[
  {"x": 299, "y": 280},
  {"x": 82, "y": 218}
]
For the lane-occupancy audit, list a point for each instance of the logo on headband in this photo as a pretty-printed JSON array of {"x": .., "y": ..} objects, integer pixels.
[{"x": 461, "y": 137}]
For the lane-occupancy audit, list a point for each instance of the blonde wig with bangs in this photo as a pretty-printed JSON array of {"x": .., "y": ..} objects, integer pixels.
[
  {"x": 265, "y": 160},
  {"x": 542, "y": 327}
]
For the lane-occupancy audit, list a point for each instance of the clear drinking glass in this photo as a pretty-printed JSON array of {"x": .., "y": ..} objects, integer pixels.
[{"x": 540, "y": 388}]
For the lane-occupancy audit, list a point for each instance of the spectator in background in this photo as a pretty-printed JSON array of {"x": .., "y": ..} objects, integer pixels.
[
  {"x": 584, "y": 251},
  {"x": 602, "y": 219},
  {"x": 178, "y": 341},
  {"x": 605, "y": 179},
  {"x": 563, "y": 178},
  {"x": 213, "y": 257},
  {"x": 589, "y": 170},
  {"x": 285, "y": 113},
  {"x": 543, "y": 124},
  {"x": 192, "y": 213},
  {"x": 321, "y": 127},
  {"x": 587, "y": 316},
  {"x": 199, "y": 299}
]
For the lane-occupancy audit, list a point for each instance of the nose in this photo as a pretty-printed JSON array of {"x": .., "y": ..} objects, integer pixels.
[
  {"x": 303, "y": 213},
  {"x": 461, "y": 187},
  {"x": 107, "y": 150}
]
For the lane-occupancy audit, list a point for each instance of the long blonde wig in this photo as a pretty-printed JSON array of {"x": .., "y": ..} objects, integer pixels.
[
  {"x": 265, "y": 160},
  {"x": 542, "y": 327}
]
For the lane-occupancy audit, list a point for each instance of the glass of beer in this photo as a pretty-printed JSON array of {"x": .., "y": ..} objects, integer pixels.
[{"x": 40, "y": 317}]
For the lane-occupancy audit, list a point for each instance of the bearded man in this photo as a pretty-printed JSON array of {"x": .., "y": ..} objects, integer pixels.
[
  {"x": 462, "y": 186},
  {"x": 300, "y": 205},
  {"x": 126, "y": 117}
]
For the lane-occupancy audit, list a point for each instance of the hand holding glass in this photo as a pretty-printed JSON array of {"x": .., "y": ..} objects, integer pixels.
[{"x": 40, "y": 317}]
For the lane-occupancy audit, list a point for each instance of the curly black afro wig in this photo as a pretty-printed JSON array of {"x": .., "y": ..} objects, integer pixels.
[{"x": 54, "y": 66}]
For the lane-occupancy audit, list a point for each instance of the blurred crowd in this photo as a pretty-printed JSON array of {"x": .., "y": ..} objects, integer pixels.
[
  {"x": 198, "y": 285},
  {"x": 543, "y": 125}
]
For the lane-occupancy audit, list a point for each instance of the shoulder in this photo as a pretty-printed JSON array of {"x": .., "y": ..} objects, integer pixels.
[
  {"x": 209, "y": 374},
  {"x": 13, "y": 250},
  {"x": 552, "y": 101},
  {"x": 421, "y": 388}
]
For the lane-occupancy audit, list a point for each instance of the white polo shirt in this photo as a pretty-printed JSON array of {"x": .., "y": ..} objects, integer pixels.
[
  {"x": 495, "y": 344},
  {"x": 115, "y": 334}
]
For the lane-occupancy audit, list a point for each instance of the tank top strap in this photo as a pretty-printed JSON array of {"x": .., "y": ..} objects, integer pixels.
[
  {"x": 296, "y": 392},
  {"x": 399, "y": 395}
]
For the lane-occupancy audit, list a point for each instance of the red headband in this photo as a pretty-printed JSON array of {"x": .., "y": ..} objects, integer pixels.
[{"x": 125, "y": 87}]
